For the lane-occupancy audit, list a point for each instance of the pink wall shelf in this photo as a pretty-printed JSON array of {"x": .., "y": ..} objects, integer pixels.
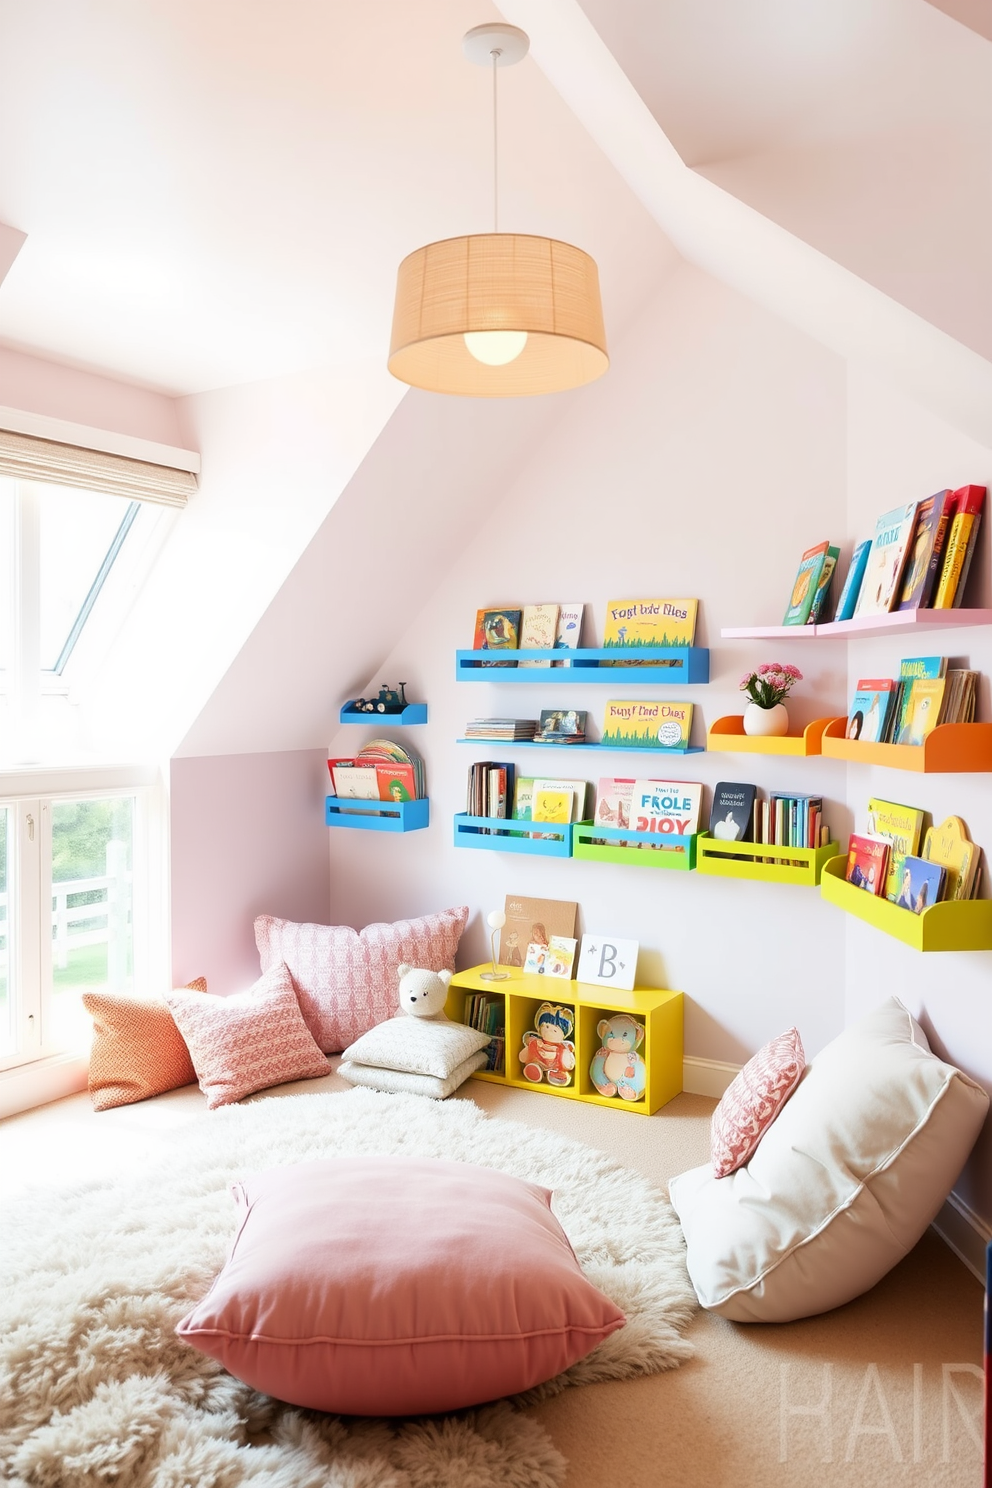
[{"x": 863, "y": 627}]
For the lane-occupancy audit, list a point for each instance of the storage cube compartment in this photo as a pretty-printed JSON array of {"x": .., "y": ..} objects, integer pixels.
[
  {"x": 591, "y": 1042},
  {"x": 523, "y": 1015}
]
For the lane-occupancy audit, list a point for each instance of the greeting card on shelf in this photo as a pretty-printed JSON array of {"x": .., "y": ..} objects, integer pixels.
[
  {"x": 649, "y": 622},
  {"x": 607, "y": 962}
]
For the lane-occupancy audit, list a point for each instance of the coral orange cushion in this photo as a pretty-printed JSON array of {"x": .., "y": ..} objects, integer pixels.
[
  {"x": 249, "y": 1041},
  {"x": 137, "y": 1049},
  {"x": 385, "y": 1286},
  {"x": 753, "y": 1100}
]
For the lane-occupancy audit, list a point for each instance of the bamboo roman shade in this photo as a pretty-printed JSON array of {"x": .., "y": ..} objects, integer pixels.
[{"x": 28, "y": 458}]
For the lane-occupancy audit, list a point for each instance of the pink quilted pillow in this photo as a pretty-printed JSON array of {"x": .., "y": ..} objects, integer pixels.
[
  {"x": 753, "y": 1100},
  {"x": 395, "y": 1286},
  {"x": 346, "y": 981},
  {"x": 249, "y": 1041}
]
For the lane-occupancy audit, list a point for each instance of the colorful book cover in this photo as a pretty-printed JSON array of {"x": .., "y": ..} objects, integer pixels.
[
  {"x": 922, "y": 713},
  {"x": 852, "y": 584},
  {"x": 928, "y": 542},
  {"x": 533, "y": 921},
  {"x": 568, "y": 632},
  {"x": 561, "y": 956},
  {"x": 949, "y": 845},
  {"x": 869, "y": 711},
  {"x": 647, "y": 725},
  {"x": 911, "y": 668},
  {"x": 804, "y": 585},
  {"x": 575, "y": 788},
  {"x": 500, "y": 631},
  {"x": 561, "y": 726},
  {"x": 818, "y": 607},
  {"x": 334, "y": 764},
  {"x": 396, "y": 782},
  {"x": 538, "y": 625},
  {"x": 887, "y": 560},
  {"x": 867, "y": 861},
  {"x": 921, "y": 883},
  {"x": 650, "y": 622},
  {"x": 732, "y": 811},
  {"x": 356, "y": 783},
  {"x": 523, "y": 798},
  {"x": 670, "y": 807},
  {"x": 901, "y": 826},
  {"x": 962, "y": 538},
  {"x": 613, "y": 802},
  {"x": 551, "y": 806}
]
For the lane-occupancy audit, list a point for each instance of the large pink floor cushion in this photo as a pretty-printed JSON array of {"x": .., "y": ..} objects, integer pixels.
[
  {"x": 346, "y": 979},
  {"x": 387, "y": 1286}
]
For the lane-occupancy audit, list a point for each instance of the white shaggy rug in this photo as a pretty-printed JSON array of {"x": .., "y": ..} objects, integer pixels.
[{"x": 97, "y": 1392}]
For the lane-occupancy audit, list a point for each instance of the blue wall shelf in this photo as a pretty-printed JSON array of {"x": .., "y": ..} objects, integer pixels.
[
  {"x": 499, "y": 834},
  {"x": 659, "y": 754},
  {"x": 673, "y": 666},
  {"x": 377, "y": 816},
  {"x": 412, "y": 713}
]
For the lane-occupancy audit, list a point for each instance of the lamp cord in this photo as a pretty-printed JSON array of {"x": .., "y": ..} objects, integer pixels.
[{"x": 496, "y": 53}]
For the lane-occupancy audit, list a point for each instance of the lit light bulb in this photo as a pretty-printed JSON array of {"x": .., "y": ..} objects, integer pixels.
[{"x": 495, "y": 348}]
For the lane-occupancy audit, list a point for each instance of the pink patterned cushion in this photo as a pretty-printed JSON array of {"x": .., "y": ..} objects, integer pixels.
[
  {"x": 249, "y": 1041},
  {"x": 753, "y": 1100},
  {"x": 346, "y": 981},
  {"x": 395, "y": 1286}
]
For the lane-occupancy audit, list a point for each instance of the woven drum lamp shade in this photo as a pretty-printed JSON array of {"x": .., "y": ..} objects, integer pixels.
[{"x": 498, "y": 282}]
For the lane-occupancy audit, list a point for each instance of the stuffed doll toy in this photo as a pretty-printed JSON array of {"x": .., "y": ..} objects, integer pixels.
[
  {"x": 423, "y": 994},
  {"x": 548, "y": 1051},
  {"x": 617, "y": 1068}
]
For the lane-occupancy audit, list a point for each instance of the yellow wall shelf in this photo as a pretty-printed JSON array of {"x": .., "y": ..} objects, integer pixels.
[
  {"x": 763, "y": 861},
  {"x": 728, "y": 734},
  {"x": 660, "y": 1012},
  {"x": 949, "y": 748},
  {"x": 958, "y": 925}
]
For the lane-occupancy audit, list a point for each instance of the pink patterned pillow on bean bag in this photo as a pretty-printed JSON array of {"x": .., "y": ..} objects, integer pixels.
[
  {"x": 249, "y": 1041},
  {"x": 753, "y": 1100},
  {"x": 345, "y": 979}
]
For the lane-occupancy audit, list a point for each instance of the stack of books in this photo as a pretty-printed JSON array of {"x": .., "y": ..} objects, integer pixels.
[
  {"x": 904, "y": 710},
  {"x": 886, "y": 860},
  {"x": 500, "y": 728},
  {"x": 919, "y": 558},
  {"x": 490, "y": 789},
  {"x": 487, "y": 1015},
  {"x": 382, "y": 771}
]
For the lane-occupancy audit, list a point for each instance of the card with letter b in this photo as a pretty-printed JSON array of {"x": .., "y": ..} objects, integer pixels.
[{"x": 606, "y": 961}]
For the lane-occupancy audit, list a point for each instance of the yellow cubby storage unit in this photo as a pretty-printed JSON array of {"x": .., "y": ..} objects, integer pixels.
[
  {"x": 765, "y": 861},
  {"x": 952, "y": 925},
  {"x": 659, "y": 1012}
]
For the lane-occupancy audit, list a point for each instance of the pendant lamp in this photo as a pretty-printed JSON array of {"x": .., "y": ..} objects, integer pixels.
[{"x": 497, "y": 315}]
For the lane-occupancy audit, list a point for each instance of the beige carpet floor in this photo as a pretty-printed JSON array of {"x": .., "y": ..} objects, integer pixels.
[{"x": 885, "y": 1392}]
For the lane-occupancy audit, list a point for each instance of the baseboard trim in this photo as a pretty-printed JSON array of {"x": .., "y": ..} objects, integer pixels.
[
  {"x": 706, "y": 1076},
  {"x": 968, "y": 1236},
  {"x": 41, "y": 1081}
]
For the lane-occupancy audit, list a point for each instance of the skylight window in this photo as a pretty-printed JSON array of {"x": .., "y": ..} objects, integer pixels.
[{"x": 81, "y": 536}]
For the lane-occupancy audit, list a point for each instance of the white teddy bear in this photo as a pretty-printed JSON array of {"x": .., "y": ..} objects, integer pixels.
[{"x": 423, "y": 994}]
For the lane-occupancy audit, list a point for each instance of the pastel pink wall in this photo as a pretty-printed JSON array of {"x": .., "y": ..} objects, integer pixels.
[
  {"x": 35, "y": 385},
  {"x": 248, "y": 838}
]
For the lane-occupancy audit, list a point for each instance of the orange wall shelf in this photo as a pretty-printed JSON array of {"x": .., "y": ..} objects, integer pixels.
[
  {"x": 728, "y": 734},
  {"x": 956, "y": 748}
]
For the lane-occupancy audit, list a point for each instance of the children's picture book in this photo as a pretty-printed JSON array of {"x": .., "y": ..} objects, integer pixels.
[
  {"x": 922, "y": 710},
  {"x": 606, "y": 961},
  {"x": 902, "y": 827},
  {"x": 649, "y": 622},
  {"x": 560, "y": 956},
  {"x": 921, "y": 883},
  {"x": 887, "y": 560},
  {"x": 396, "y": 782},
  {"x": 852, "y": 584},
  {"x": 669, "y": 807},
  {"x": 568, "y": 632},
  {"x": 648, "y": 725},
  {"x": 911, "y": 668},
  {"x": 732, "y": 811},
  {"x": 523, "y": 798},
  {"x": 924, "y": 555},
  {"x": 576, "y": 789},
  {"x": 804, "y": 585},
  {"x": 533, "y": 921},
  {"x": 867, "y": 861},
  {"x": 497, "y": 630},
  {"x": 869, "y": 711},
  {"x": 360, "y": 783},
  {"x": 561, "y": 726},
  {"x": 960, "y": 545},
  {"x": 950, "y": 845},
  {"x": 551, "y": 805},
  {"x": 818, "y": 608},
  {"x": 338, "y": 764},
  {"x": 538, "y": 625},
  {"x": 613, "y": 802}
]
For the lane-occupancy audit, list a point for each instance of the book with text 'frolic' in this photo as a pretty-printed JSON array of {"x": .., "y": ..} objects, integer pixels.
[
  {"x": 852, "y": 584},
  {"x": 668, "y": 807},
  {"x": 923, "y": 562},
  {"x": 887, "y": 560},
  {"x": 867, "y": 861},
  {"x": 804, "y": 585},
  {"x": 647, "y": 725},
  {"x": 650, "y": 622}
]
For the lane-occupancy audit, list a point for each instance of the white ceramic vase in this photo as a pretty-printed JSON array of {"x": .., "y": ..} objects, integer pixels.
[{"x": 766, "y": 723}]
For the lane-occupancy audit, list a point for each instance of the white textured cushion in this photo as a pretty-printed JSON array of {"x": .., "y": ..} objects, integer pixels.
[
  {"x": 401, "y": 1082},
  {"x": 843, "y": 1183},
  {"x": 417, "y": 1046}
]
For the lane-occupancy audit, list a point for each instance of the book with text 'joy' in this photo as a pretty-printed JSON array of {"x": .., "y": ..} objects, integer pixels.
[
  {"x": 804, "y": 585},
  {"x": 887, "y": 560},
  {"x": 668, "y": 807},
  {"x": 867, "y": 861}
]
